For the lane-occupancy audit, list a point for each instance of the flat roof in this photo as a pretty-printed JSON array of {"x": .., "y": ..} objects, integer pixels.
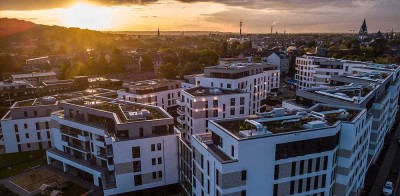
[
  {"x": 319, "y": 116},
  {"x": 38, "y": 74},
  {"x": 238, "y": 66},
  {"x": 51, "y": 100},
  {"x": 206, "y": 91},
  {"x": 151, "y": 83},
  {"x": 125, "y": 111},
  {"x": 350, "y": 93}
]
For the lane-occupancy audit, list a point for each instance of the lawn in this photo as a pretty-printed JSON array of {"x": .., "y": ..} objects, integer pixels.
[
  {"x": 20, "y": 161},
  {"x": 73, "y": 189}
]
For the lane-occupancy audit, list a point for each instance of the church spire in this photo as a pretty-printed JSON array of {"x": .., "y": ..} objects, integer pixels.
[
  {"x": 158, "y": 32},
  {"x": 363, "y": 33}
]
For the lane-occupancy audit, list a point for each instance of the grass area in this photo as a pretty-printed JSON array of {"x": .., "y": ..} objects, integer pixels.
[
  {"x": 33, "y": 180},
  {"x": 74, "y": 189},
  {"x": 20, "y": 161}
]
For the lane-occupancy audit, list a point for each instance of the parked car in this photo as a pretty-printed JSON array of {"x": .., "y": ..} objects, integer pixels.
[{"x": 388, "y": 188}]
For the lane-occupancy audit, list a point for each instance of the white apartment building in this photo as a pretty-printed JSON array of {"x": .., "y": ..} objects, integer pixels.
[
  {"x": 314, "y": 71},
  {"x": 321, "y": 151},
  {"x": 259, "y": 79},
  {"x": 376, "y": 90},
  {"x": 27, "y": 126},
  {"x": 157, "y": 92},
  {"x": 123, "y": 147},
  {"x": 200, "y": 104}
]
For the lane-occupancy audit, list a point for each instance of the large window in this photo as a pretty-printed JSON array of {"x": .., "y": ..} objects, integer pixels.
[
  {"x": 136, "y": 152},
  {"x": 138, "y": 180},
  {"x": 137, "y": 166}
]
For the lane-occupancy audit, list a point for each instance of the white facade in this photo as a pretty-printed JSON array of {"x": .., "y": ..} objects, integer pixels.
[
  {"x": 133, "y": 151},
  {"x": 282, "y": 59},
  {"x": 317, "y": 71},
  {"x": 308, "y": 161},
  {"x": 199, "y": 105},
  {"x": 259, "y": 79}
]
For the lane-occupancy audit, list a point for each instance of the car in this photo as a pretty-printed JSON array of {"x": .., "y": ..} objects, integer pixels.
[{"x": 388, "y": 188}]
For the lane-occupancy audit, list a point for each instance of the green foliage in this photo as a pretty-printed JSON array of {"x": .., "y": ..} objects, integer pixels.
[
  {"x": 208, "y": 58},
  {"x": 168, "y": 71},
  {"x": 147, "y": 64},
  {"x": 8, "y": 64}
]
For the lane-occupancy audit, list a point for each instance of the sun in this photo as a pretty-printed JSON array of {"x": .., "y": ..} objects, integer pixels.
[{"x": 88, "y": 16}]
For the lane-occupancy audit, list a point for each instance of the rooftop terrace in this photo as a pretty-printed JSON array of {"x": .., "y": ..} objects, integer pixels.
[
  {"x": 51, "y": 100},
  {"x": 371, "y": 76},
  {"x": 126, "y": 112},
  {"x": 345, "y": 93},
  {"x": 204, "y": 91},
  {"x": 321, "y": 116}
]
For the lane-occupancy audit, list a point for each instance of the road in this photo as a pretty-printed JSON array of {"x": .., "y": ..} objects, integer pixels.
[{"x": 386, "y": 166}]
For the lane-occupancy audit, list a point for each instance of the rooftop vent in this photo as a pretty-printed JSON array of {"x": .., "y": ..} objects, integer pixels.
[
  {"x": 344, "y": 114},
  {"x": 215, "y": 91},
  {"x": 138, "y": 114},
  {"x": 49, "y": 99},
  {"x": 315, "y": 124}
]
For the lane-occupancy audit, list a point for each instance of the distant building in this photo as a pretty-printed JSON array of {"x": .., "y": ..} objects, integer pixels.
[
  {"x": 281, "y": 59},
  {"x": 363, "y": 33},
  {"x": 34, "y": 78}
]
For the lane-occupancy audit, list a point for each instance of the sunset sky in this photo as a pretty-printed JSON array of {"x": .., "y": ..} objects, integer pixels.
[{"x": 295, "y": 16}]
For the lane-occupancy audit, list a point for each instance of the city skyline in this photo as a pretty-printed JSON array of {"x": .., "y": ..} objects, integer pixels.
[{"x": 258, "y": 16}]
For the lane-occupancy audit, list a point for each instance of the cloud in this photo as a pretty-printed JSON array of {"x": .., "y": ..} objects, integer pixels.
[{"x": 51, "y": 4}]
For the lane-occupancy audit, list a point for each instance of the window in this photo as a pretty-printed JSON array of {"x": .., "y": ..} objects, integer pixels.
[
  {"x": 325, "y": 162},
  {"x": 309, "y": 166},
  {"x": 300, "y": 187},
  {"x": 159, "y": 146},
  {"x": 301, "y": 167},
  {"x": 208, "y": 167},
  {"x": 276, "y": 172},
  {"x": 244, "y": 175},
  {"x": 317, "y": 164},
  {"x": 215, "y": 113},
  {"x": 29, "y": 145},
  {"x": 154, "y": 175},
  {"x": 293, "y": 168},
  {"x": 241, "y": 110},
  {"x": 232, "y": 111},
  {"x": 136, "y": 152},
  {"x": 316, "y": 182},
  {"x": 38, "y": 136},
  {"x": 228, "y": 85},
  {"x": 17, "y": 138},
  {"x": 308, "y": 184},
  {"x": 48, "y": 134},
  {"x": 160, "y": 174},
  {"x": 37, "y": 126},
  {"x": 233, "y": 151},
  {"x": 323, "y": 180},
  {"x": 26, "y": 135},
  {"x": 153, "y": 147},
  {"x": 138, "y": 180},
  {"x": 241, "y": 100},
  {"x": 153, "y": 161},
  {"x": 216, "y": 177},
  {"x": 137, "y": 166},
  {"x": 232, "y": 101},
  {"x": 25, "y": 126},
  {"x": 141, "y": 134},
  {"x": 16, "y": 128},
  {"x": 215, "y": 103},
  {"x": 292, "y": 187},
  {"x": 159, "y": 160},
  {"x": 243, "y": 193}
]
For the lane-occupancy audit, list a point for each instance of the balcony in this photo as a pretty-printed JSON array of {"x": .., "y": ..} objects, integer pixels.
[
  {"x": 180, "y": 110},
  {"x": 181, "y": 120},
  {"x": 76, "y": 147},
  {"x": 180, "y": 103},
  {"x": 74, "y": 135},
  {"x": 181, "y": 129}
]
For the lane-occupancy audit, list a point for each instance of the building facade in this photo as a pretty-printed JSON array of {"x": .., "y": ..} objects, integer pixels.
[
  {"x": 119, "y": 146},
  {"x": 322, "y": 151},
  {"x": 158, "y": 92}
]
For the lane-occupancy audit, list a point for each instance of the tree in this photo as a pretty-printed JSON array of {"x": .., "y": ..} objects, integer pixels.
[
  {"x": 168, "y": 71},
  {"x": 117, "y": 62},
  {"x": 257, "y": 59},
  {"x": 146, "y": 64},
  {"x": 208, "y": 58},
  {"x": 8, "y": 64}
]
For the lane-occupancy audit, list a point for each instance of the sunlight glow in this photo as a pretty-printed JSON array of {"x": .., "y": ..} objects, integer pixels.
[{"x": 89, "y": 16}]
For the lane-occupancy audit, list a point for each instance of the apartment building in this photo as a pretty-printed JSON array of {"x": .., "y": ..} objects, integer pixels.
[
  {"x": 259, "y": 79},
  {"x": 376, "y": 90},
  {"x": 157, "y": 92},
  {"x": 27, "y": 126},
  {"x": 35, "y": 78},
  {"x": 200, "y": 104},
  {"x": 119, "y": 146},
  {"x": 279, "y": 58},
  {"x": 314, "y": 71},
  {"x": 320, "y": 151},
  {"x": 11, "y": 91}
]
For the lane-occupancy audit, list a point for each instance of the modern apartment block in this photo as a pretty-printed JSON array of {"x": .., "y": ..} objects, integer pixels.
[
  {"x": 314, "y": 71},
  {"x": 320, "y": 151},
  {"x": 10, "y": 91},
  {"x": 27, "y": 126},
  {"x": 200, "y": 104},
  {"x": 35, "y": 78},
  {"x": 117, "y": 145},
  {"x": 376, "y": 90},
  {"x": 157, "y": 92},
  {"x": 259, "y": 79}
]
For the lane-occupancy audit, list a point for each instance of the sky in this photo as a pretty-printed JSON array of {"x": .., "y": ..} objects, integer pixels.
[{"x": 292, "y": 16}]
